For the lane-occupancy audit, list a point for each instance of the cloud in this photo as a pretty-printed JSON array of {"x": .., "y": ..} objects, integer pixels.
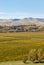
[
  {"x": 7, "y": 15},
  {"x": 10, "y": 15}
]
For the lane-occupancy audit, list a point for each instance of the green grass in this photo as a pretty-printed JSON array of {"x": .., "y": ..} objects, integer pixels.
[{"x": 14, "y": 46}]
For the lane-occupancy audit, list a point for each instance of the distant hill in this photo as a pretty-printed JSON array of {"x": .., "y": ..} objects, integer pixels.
[
  {"x": 25, "y": 21},
  {"x": 15, "y": 19},
  {"x": 22, "y": 25}
]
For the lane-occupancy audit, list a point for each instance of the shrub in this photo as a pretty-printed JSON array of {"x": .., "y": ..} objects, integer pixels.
[
  {"x": 25, "y": 59},
  {"x": 32, "y": 55},
  {"x": 40, "y": 55},
  {"x": 36, "y": 55}
]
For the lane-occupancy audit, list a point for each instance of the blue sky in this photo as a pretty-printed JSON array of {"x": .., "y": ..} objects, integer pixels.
[{"x": 21, "y": 8}]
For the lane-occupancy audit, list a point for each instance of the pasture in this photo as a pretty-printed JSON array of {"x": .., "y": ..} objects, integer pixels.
[{"x": 15, "y": 46}]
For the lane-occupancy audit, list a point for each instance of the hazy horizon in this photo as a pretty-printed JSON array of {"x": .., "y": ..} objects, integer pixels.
[{"x": 10, "y": 9}]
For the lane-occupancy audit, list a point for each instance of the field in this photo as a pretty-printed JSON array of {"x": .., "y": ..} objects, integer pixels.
[
  {"x": 14, "y": 46},
  {"x": 19, "y": 63}
]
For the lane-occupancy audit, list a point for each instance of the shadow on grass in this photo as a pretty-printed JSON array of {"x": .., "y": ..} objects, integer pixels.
[{"x": 34, "y": 62}]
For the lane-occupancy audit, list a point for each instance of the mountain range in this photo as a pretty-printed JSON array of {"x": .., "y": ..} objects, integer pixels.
[{"x": 25, "y": 21}]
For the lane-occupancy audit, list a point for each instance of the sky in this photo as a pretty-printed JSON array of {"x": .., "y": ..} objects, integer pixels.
[{"x": 21, "y": 9}]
